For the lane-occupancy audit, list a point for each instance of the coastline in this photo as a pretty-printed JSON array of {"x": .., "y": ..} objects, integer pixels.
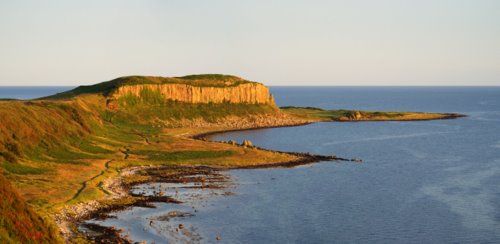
[
  {"x": 126, "y": 199},
  {"x": 202, "y": 136},
  {"x": 197, "y": 175},
  {"x": 71, "y": 217}
]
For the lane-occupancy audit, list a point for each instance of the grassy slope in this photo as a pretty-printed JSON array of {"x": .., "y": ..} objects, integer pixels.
[
  {"x": 105, "y": 88},
  {"x": 59, "y": 152},
  {"x": 49, "y": 149},
  {"x": 19, "y": 223},
  {"x": 353, "y": 115}
]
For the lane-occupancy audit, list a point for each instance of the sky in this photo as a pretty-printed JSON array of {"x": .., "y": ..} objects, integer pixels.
[{"x": 276, "y": 42}]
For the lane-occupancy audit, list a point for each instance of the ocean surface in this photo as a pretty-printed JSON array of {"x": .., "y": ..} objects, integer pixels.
[
  {"x": 420, "y": 182},
  {"x": 30, "y": 92}
]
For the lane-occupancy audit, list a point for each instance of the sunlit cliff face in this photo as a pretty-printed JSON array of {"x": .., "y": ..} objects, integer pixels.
[{"x": 249, "y": 93}]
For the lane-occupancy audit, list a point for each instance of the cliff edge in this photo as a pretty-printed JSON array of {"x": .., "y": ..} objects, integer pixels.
[
  {"x": 249, "y": 93},
  {"x": 209, "y": 88}
]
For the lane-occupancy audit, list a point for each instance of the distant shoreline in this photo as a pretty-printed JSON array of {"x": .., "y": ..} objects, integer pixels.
[
  {"x": 81, "y": 142},
  {"x": 112, "y": 234}
]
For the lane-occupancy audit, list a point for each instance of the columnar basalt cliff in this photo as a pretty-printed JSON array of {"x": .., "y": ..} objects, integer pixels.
[
  {"x": 249, "y": 93},
  {"x": 69, "y": 154}
]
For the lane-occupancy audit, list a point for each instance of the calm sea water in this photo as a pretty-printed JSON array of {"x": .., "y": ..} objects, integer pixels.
[
  {"x": 421, "y": 182},
  {"x": 30, "y": 92}
]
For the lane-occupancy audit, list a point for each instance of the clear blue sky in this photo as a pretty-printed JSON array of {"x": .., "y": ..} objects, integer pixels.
[{"x": 350, "y": 42}]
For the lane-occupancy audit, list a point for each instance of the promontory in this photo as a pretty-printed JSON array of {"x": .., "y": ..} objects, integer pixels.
[{"x": 66, "y": 156}]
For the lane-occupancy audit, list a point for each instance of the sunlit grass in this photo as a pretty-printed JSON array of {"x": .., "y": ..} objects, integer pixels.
[{"x": 355, "y": 115}]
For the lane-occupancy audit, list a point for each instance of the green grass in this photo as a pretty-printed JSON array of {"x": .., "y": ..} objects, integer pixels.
[
  {"x": 216, "y": 80},
  {"x": 147, "y": 96},
  {"x": 105, "y": 88},
  {"x": 21, "y": 169},
  {"x": 60, "y": 144},
  {"x": 350, "y": 115},
  {"x": 311, "y": 112},
  {"x": 62, "y": 150},
  {"x": 72, "y": 151},
  {"x": 28, "y": 129},
  {"x": 170, "y": 110},
  {"x": 62, "y": 153},
  {"x": 89, "y": 147},
  {"x": 182, "y": 155}
]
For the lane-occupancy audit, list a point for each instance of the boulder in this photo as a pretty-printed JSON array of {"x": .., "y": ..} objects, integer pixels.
[
  {"x": 355, "y": 115},
  {"x": 247, "y": 143}
]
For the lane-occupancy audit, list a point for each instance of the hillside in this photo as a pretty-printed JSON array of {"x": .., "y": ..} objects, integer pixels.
[
  {"x": 191, "y": 89},
  {"x": 54, "y": 122},
  {"x": 19, "y": 223},
  {"x": 60, "y": 152}
]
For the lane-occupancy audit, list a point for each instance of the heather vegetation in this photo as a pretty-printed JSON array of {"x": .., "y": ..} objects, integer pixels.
[
  {"x": 60, "y": 151},
  {"x": 19, "y": 223}
]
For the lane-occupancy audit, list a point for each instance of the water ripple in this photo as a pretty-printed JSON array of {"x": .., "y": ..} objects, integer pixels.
[
  {"x": 388, "y": 137},
  {"x": 465, "y": 194}
]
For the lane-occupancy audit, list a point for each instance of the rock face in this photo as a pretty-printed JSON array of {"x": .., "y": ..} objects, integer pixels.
[
  {"x": 356, "y": 116},
  {"x": 352, "y": 115},
  {"x": 249, "y": 93},
  {"x": 247, "y": 143}
]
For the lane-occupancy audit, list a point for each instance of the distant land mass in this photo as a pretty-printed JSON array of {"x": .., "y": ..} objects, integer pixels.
[{"x": 68, "y": 157}]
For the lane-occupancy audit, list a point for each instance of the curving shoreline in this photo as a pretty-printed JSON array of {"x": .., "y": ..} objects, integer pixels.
[
  {"x": 201, "y": 176},
  {"x": 73, "y": 154},
  {"x": 121, "y": 190}
]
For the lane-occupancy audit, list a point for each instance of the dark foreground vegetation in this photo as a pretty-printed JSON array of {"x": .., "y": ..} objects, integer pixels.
[{"x": 60, "y": 153}]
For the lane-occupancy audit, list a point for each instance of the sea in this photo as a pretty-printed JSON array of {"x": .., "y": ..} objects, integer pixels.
[
  {"x": 419, "y": 182},
  {"x": 30, "y": 92}
]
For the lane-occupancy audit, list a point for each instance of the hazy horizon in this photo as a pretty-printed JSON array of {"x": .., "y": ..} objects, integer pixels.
[
  {"x": 297, "y": 85},
  {"x": 279, "y": 43}
]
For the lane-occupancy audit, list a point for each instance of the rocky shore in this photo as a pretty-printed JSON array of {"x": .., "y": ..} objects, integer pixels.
[
  {"x": 194, "y": 176},
  {"x": 72, "y": 217},
  {"x": 121, "y": 198}
]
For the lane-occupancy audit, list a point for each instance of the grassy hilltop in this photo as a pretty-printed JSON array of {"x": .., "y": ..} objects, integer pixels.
[
  {"x": 61, "y": 150},
  {"x": 58, "y": 151},
  {"x": 105, "y": 88}
]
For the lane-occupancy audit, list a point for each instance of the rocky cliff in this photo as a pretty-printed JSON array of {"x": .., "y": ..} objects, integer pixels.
[
  {"x": 248, "y": 93},
  {"x": 205, "y": 88}
]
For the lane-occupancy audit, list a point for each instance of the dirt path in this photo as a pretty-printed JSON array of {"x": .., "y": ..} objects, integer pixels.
[{"x": 84, "y": 184}]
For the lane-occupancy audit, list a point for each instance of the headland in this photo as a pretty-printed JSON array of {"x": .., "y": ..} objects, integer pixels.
[{"x": 73, "y": 155}]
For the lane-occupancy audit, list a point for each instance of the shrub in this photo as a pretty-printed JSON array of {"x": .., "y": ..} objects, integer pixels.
[
  {"x": 19, "y": 223},
  {"x": 9, "y": 157},
  {"x": 13, "y": 147}
]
